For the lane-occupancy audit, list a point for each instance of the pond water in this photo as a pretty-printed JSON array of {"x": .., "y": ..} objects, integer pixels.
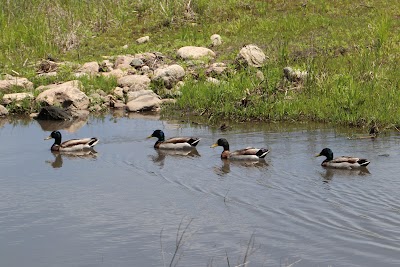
[{"x": 128, "y": 204}]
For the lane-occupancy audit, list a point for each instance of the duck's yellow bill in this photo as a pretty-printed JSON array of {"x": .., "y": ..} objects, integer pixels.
[
  {"x": 214, "y": 145},
  {"x": 47, "y": 138},
  {"x": 317, "y": 155},
  {"x": 149, "y": 136}
]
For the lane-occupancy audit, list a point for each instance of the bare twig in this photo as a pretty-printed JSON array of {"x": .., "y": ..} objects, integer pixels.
[
  {"x": 162, "y": 249},
  {"x": 210, "y": 263},
  {"x": 227, "y": 258},
  {"x": 226, "y": 195},
  {"x": 163, "y": 9},
  {"x": 290, "y": 265},
  {"x": 249, "y": 250},
  {"x": 16, "y": 73},
  {"x": 179, "y": 241}
]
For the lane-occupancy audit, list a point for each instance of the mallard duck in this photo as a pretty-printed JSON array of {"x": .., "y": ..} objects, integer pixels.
[
  {"x": 174, "y": 142},
  {"x": 249, "y": 153},
  {"x": 71, "y": 145},
  {"x": 343, "y": 162}
]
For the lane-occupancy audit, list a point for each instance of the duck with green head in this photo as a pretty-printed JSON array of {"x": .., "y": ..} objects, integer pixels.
[
  {"x": 71, "y": 145},
  {"x": 343, "y": 162},
  {"x": 249, "y": 153},
  {"x": 174, "y": 142}
]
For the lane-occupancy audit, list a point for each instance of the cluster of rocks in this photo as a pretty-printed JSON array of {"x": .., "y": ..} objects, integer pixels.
[{"x": 134, "y": 74}]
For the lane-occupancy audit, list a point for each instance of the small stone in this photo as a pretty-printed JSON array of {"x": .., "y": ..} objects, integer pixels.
[
  {"x": 143, "y": 40},
  {"x": 119, "y": 105},
  {"x": 296, "y": 76},
  {"x": 145, "y": 69},
  {"x": 3, "y": 111},
  {"x": 119, "y": 92},
  {"x": 216, "y": 68},
  {"x": 16, "y": 97},
  {"x": 137, "y": 63},
  {"x": 213, "y": 80},
  {"x": 216, "y": 40},
  {"x": 194, "y": 52},
  {"x": 122, "y": 62},
  {"x": 251, "y": 55},
  {"x": 47, "y": 74},
  {"x": 179, "y": 85},
  {"x": 117, "y": 73},
  {"x": 90, "y": 68},
  {"x": 80, "y": 75},
  {"x": 260, "y": 76}
]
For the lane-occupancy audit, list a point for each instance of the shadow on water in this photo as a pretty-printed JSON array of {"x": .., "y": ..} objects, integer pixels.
[
  {"x": 3, "y": 122},
  {"x": 68, "y": 125},
  {"x": 59, "y": 157},
  {"x": 329, "y": 173},
  {"x": 226, "y": 165},
  {"x": 161, "y": 155}
]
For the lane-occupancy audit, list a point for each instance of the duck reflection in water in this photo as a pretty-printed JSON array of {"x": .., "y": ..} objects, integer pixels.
[
  {"x": 58, "y": 156},
  {"x": 329, "y": 173},
  {"x": 162, "y": 154},
  {"x": 226, "y": 165}
]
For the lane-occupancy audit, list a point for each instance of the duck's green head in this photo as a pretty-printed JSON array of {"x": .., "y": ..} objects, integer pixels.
[
  {"x": 222, "y": 142},
  {"x": 55, "y": 135},
  {"x": 327, "y": 152},
  {"x": 159, "y": 134}
]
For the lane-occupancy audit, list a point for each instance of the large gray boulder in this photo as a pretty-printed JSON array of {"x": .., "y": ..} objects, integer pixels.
[
  {"x": 11, "y": 81},
  {"x": 16, "y": 98},
  {"x": 132, "y": 95},
  {"x": 54, "y": 113},
  {"x": 90, "y": 68},
  {"x": 123, "y": 62},
  {"x": 3, "y": 111},
  {"x": 66, "y": 95},
  {"x": 195, "y": 52},
  {"x": 251, "y": 55},
  {"x": 145, "y": 102},
  {"x": 216, "y": 69},
  {"x": 117, "y": 73},
  {"x": 169, "y": 75},
  {"x": 134, "y": 82}
]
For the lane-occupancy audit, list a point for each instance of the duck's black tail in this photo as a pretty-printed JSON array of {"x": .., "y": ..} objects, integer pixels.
[
  {"x": 262, "y": 153},
  {"x": 93, "y": 142},
  {"x": 194, "y": 141},
  {"x": 363, "y": 162}
]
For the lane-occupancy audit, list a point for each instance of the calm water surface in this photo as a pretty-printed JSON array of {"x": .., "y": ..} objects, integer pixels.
[{"x": 123, "y": 205}]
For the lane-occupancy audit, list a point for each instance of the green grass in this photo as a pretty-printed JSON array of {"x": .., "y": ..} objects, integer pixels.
[{"x": 350, "y": 48}]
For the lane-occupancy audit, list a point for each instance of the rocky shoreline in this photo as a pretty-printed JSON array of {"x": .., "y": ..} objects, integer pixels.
[{"x": 136, "y": 75}]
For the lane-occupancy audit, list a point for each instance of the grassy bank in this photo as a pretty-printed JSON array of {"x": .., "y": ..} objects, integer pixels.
[{"x": 351, "y": 50}]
